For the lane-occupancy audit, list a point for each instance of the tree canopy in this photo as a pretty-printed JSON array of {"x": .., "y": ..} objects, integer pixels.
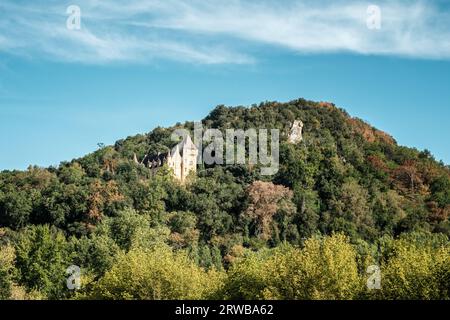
[{"x": 346, "y": 197}]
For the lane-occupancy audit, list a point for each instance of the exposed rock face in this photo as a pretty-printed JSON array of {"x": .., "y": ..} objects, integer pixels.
[{"x": 296, "y": 134}]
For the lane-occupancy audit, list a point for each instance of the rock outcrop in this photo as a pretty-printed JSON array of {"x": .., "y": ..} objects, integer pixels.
[{"x": 296, "y": 133}]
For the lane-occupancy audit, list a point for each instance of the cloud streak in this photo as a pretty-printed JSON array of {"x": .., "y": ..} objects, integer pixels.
[{"x": 220, "y": 32}]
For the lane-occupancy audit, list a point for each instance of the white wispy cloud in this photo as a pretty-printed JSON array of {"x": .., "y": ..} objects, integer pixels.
[{"x": 217, "y": 32}]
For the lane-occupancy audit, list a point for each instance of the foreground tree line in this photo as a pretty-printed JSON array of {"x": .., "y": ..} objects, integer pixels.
[
  {"x": 415, "y": 266},
  {"x": 229, "y": 232}
]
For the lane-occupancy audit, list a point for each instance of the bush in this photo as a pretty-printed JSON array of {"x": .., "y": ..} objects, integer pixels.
[
  {"x": 324, "y": 269},
  {"x": 42, "y": 257},
  {"x": 416, "y": 271},
  {"x": 7, "y": 257},
  {"x": 155, "y": 274}
]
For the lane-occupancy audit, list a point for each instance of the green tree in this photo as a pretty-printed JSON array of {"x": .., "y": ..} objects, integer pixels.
[
  {"x": 95, "y": 253},
  {"x": 415, "y": 269},
  {"x": 7, "y": 257},
  {"x": 15, "y": 208},
  {"x": 326, "y": 268},
  {"x": 42, "y": 258}
]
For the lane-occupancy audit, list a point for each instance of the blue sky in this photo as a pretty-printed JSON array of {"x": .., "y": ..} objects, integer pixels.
[{"x": 147, "y": 63}]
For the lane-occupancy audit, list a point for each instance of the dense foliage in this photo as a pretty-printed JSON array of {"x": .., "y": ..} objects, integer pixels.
[{"x": 346, "y": 197}]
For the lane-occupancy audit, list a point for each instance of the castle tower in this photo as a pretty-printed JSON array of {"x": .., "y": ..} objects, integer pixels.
[
  {"x": 182, "y": 159},
  {"x": 189, "y": 154},
  {"x": 174, "y": 161}
]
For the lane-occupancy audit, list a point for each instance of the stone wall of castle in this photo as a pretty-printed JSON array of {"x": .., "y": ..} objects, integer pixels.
[{"x": 182, "y": 159}]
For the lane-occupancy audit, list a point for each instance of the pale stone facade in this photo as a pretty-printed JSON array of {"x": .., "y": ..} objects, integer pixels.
[{"x": 182, "y": 159}]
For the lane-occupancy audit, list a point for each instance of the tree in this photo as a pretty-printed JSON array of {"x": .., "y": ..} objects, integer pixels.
[
  {"x": 415, "y": 269},
  {"x": 9, "y": 290},
  {"x": 184, "y": 233},
  {"x": 216, "y": 198},
  {"x": 439, "y": 201},
  {"x": 148, "y": 197},
  {"x": 42, "y": 258},
  {"x": 73, "y": 173},
  {"x": 308, "y": 211},
  {"x": 265, "y": 200},
  {"x": 156, "y": 274},
  {"x": 408, "y": 176},
  {"x": 15, "y": 208},
  {"x": 388, "y": 211},
  {"x": 7, "y": 257},
  {"x": 95, "y": 253},
  {"x": 104, "y": 198},
  {"x": 126, "y": 227},
  {"x": 248, "y": 277},
  {"x": 353, "y": 206},
  {"x": 440, "y": 190},
  {"x": 325, "y": 268}
]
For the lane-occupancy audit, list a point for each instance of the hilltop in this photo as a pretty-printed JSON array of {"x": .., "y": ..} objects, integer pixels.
[
  {"x": 345, "y": 176},
  {"x": 347, "y": 192}
]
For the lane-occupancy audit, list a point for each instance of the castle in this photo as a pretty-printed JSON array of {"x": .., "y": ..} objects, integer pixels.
[{"x": 182, "y": 159}]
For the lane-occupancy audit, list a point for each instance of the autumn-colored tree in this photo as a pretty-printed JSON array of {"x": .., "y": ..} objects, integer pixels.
[
  {"x": 408, "y": 176},
  {"x": 265, "y": 200},
  {"x": 378, "y": 164},
  {"x": 102, "y": 196}
]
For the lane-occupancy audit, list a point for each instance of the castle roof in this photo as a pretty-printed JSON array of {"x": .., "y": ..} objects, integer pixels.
[
  {"x": 157, "y": 159},
  {"x": 175, "y": 150},
  {"x": 186, "y": 143},
  {"x": 161, "y": 158}
]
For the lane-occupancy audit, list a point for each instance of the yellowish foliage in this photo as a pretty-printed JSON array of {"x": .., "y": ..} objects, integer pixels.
[
  {"x": 324, "y": 269},
  {"x": 156, "y": 274},
  {"x": 416, "y": 272}
]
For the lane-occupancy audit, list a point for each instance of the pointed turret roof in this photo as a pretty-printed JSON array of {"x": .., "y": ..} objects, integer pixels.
[
  {"x": 186, "y": 143},
  {"x": 175, "y": 150}
]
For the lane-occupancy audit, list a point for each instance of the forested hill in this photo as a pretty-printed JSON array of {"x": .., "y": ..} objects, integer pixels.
[{"x": 344, "y": 177}]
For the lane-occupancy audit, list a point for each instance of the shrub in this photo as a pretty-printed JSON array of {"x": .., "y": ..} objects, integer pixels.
[{"x": 156, "y": 274}]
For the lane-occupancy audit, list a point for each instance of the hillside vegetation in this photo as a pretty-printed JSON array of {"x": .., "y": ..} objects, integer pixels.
[{"x": 346, "y": 197}]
